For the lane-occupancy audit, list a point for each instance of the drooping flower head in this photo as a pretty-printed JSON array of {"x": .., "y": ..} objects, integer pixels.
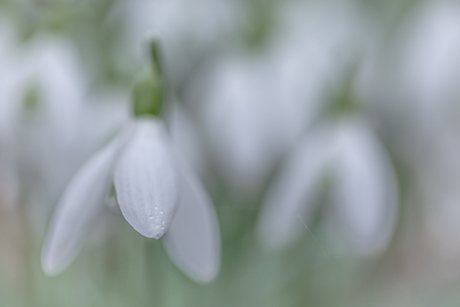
[
  {"x": 362, "y": 196},
  {"x": 157, "y": 193}
]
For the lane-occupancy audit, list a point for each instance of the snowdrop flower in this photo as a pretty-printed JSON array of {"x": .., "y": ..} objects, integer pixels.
[
  {"x": 157, "y": 194},
  {"x": 363, "y": 195},
  {"x": 362, "y": 192},
  {"x": 429, "y": 68}
]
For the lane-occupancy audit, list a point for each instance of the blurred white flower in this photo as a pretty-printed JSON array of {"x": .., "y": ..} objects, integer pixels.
[
  {"x": 246, "y": 124},
  {"x": 157, "y": 193},
  {"x": 363, "y": 195},
  {"x": 429, "y": 70}
]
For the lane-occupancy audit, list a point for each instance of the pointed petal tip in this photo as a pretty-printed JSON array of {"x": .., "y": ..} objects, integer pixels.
[
  {"x": 149, "y": 227},
  {"x": 49, "y": 269},
  {"x": 51, "y": 266},
  {"x": 198, "y": 272},
  {"x": 206, "y": 277},
  {"x": 152, "y": 231},
  {"x": 157, "y": 236}
]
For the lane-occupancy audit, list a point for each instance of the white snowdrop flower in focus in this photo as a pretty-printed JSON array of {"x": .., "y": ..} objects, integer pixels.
[{"x": 157, "y": 193}]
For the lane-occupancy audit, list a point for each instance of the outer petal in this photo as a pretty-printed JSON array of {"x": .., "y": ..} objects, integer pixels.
[
  {"x": 366, "y": 194},
  {"x": 79, "y": 206},
  {"x": 193, "y": 239},
  {"x": 292, "y": 194},
  {"x": 146, "y": 180}
]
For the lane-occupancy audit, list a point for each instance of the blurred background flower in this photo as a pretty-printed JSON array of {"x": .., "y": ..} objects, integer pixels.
[{"x": 327, "y": 129}]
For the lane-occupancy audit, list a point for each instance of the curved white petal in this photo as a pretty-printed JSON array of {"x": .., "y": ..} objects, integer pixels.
[
  {"x": 365, "y": 194},
  {"x": 193, "y": 239},
  {"x": 79, "y": 206},
  {"x": 146, "y": 180},
  {"x": 290, "y": 199}
]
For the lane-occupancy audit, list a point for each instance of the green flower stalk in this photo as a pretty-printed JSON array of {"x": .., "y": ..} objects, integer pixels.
[{"x": 148, "y": 93}]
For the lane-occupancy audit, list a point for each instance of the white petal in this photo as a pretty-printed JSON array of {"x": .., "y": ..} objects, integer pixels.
[
  {"x": 193, "y": 239},
  {"x": 366, "y": 194},
  {"x": 79, "y": 206},
  {"x": 146, "y": 180},
  {"x": 290, "y": 200}
]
